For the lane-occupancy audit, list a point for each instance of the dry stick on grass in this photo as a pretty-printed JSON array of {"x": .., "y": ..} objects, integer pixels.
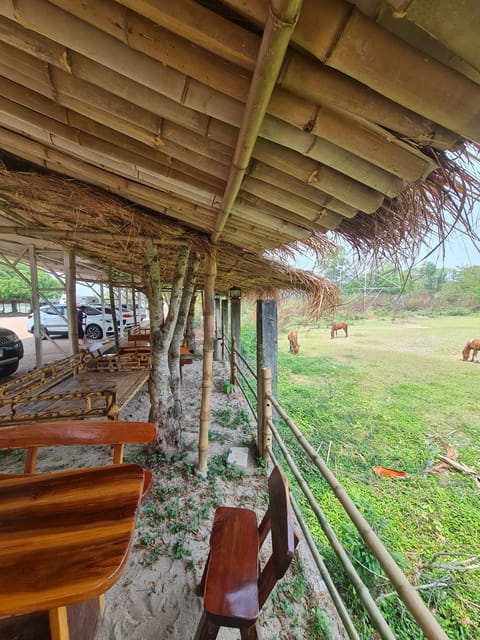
[
  {"x": 328, "y": 452},
  {"x": 461, "y": 467}
]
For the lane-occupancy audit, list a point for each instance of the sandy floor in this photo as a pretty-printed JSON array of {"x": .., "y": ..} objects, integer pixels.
[{"x": 155, "y": 599}]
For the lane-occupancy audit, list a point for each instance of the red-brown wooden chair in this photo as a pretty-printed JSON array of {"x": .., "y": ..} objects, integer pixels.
[{"x": 234, "y": 587}]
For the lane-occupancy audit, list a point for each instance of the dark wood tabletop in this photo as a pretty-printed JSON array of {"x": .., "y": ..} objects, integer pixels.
[{"x": 65, "y": 537}]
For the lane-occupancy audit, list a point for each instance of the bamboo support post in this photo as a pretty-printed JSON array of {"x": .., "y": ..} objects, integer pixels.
[
  {"x": 208, "y": 339},
  {"x": 266, "y": 438},
  {"x": 233, "y": 362}
]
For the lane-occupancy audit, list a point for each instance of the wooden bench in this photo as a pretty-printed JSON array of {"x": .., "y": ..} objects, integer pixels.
[
  {"x": 142, "y": 349},
  {"x": 79, "y": 386},
  {"x": 138, "y": 337}
]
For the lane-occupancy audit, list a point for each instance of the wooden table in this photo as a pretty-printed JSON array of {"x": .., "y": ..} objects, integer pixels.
[{"x": 64, "y": 539}]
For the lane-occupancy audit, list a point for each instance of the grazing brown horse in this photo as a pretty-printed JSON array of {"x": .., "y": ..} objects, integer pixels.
[
  {"x": 471, "y": 345},
  {"x": 336, "y": 326},
  {"x": 293, "y": 340}
]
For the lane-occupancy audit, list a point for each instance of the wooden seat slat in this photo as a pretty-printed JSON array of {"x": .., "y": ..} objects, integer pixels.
[
  {"x": 233, "y": 594},
  {"x": 77, "y": 432},
  {"x": 72, "y": 539},
  {"x": 138, "y": 337},
  {"x": 81, "y": 432}
]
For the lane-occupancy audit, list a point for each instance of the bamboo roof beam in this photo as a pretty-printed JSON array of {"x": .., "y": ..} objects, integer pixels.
[
  {"x": 41, "y": 155},
  {"x": 456, "y": 37},
  {"x": 279, "y": 179},
  {"x": 330, "y": 29},
  {"x": 265, "y": 214},
  {"x": 299, "y": 210},
  {"x": 272, "y": 129},
  {"x": 318, "y": 148},
  {"x": 375, "y": 146},
  {"x": 145, "y": 40},
  {"x": 122, "y": 142},
  {"x": 276, "y": 36},
  {"x": 289, "y": 231},
  {"x": 191, "y": 21},
  {"x": 327, "y": 180},
  {"x": 64, "y": 234}
]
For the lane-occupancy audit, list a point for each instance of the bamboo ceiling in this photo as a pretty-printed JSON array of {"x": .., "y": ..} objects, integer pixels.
[{"x": 256, "y": 124}]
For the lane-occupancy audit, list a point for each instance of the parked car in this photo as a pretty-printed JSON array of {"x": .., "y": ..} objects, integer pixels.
[
  {"x": 11, "y": 351},
  {"x": 141, "y": 312},
  {"x": 127, "y": 314},
  {"x": 54, "y": 321}
]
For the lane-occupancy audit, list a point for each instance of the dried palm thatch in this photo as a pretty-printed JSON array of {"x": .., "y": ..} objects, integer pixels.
[
  {"x": 423, "y": 215},
  {"x": 112, "y": 233}
]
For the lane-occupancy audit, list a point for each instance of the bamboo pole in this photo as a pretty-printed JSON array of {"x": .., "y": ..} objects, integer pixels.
[
  {"x": 113, "y": 311},
  {"x": 207, "y": 371},
  {"x": 267, "y": 414},
  {"x": 233, "y": 362},
  {"x": 276, "y": 36},
  {"x": 71, "y": 291},
  {"x": 36, "y": 306}
]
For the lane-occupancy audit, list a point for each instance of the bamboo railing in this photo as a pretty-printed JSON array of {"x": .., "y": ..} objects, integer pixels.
[{"x": 406, "y": 592}]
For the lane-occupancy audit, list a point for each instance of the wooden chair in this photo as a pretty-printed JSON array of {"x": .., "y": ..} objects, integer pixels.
[
  {"x": 34, "y": 435},
  {"x": 234, "y": 588},
  {"x": 71, "y": 618}
]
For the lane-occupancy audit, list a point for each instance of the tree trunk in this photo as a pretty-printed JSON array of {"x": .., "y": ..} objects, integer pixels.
[
  {"x": 178, "y": 334},
  {"x": 161, "y": 333},
  {"x": 189, "y": 329}
]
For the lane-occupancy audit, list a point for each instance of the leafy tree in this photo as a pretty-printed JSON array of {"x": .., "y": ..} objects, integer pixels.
[
  {"x": 464, "y": 290},
  {"x": 14, "y": 287},
  {"x": 338, "y": 268}
]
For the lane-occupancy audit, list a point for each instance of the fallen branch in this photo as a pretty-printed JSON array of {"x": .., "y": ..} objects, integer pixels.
[{"x": 461, "y": 467}]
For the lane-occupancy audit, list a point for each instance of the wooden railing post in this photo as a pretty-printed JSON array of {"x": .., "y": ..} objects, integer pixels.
[
  {"x": 233, "y": 362},
  {"x": 267, "y": 413},
  {"x": 216, "y": 340},
  {"x": 224, "y": 327},
  {"x": 267, "y": 356}
]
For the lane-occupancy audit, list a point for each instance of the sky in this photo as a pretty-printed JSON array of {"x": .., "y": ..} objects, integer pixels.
[{"x": 460, "y": 251}]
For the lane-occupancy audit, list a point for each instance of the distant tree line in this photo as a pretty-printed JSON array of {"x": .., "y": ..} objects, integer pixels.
[
  {"x": 426, "y": 287},
  {"x": 15, "y": 289}
]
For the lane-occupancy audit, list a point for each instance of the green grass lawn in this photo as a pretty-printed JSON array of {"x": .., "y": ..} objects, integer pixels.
[{"x": 391, "y": 394}]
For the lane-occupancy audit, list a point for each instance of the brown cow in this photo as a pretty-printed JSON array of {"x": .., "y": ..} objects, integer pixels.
[
  {"x": 336, "y": 326},
  {"x": 293, "y": 341},
  {"x": 474, "y": 345}
]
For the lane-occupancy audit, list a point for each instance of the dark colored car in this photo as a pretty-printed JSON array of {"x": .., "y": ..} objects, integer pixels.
[{"x": 11, "y": 351}]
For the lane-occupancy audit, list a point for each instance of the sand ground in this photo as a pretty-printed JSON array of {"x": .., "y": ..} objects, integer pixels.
[{"x": 154, "y": 598}]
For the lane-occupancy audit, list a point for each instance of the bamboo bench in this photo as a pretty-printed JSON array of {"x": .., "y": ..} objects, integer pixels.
[
  {"x": 79, "y": 386},
  {"x": 139, "y": 345}
]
